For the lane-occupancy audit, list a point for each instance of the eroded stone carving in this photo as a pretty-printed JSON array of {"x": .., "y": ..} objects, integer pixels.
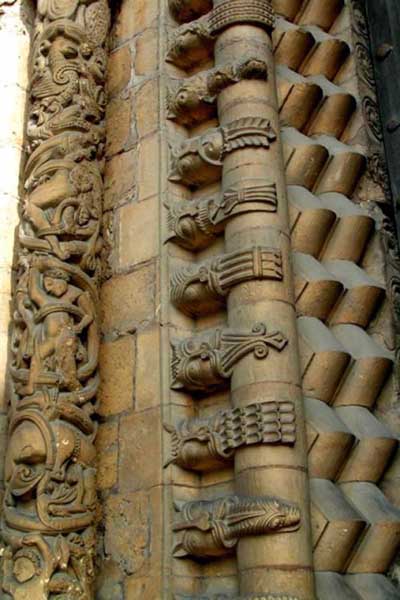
[
  {"x": 199, "y": 160},
  {"x": 187, "y": 10},
  {"x": 200, "y": 289},
  {"x": 205, "y": 362},
  {"x": 206, "y": 444},
  {"x": 191, "y": 44},
  {"x": 50, "y": 492},
  {"x": 233, "y": 12},
  {"x": 193, "y": 224},
  {"x": 210, "y": 529},
  {"x": 194, "y": 100}
]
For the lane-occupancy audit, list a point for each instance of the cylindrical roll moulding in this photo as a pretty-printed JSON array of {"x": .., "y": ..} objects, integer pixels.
[
  {"x": 48, "y": 516},
  {"x": 282, "y": 562}
]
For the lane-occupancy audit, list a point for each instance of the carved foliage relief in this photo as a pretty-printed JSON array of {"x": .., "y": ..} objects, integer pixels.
[{"x": 50, "y": 497}]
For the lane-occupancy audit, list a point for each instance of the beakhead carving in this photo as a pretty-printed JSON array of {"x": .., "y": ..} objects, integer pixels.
[
  {"x": 204, "y": 444},
  {"x": 194, "y": 224},
  {"x": 199, "y": 160},
  {"x": 204, "y": 363},
  {"x": 209, "y": 529},
  {"x": 194, "y": 100},
  {"x": 200, "y": 289}
]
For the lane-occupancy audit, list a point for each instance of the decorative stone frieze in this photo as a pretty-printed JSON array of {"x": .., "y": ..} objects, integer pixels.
[
  {"x": 194, "y": 100},
  {"x": 205, "y": 362},
  {"x": 206, "y": 444},
  {"x": 209, "y": 529},
  {"x": 50, "y": 497},
  {"x": 199, "y": 161},
  {"x": 193, "y": 224},
  {"x": 199, "y": 289}
]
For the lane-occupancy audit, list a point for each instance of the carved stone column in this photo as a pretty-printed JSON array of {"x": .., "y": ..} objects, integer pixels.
[
  {"x": 48, "y": 517},
  {"x": 282, "y": 562}
]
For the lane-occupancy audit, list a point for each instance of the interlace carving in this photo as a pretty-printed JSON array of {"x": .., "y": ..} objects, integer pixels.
[
  {"x": 199, "y": 160},
  {"x": 50, "y": 496},
  {"x": 210, "y": 529},
  {"x": 199, "y": 289},
  {"x": 205, "y": 362},
  {"x": 194, "y": 100},
  {"x": 204, "y": 444},
  {"x": 193, "y": 223}
]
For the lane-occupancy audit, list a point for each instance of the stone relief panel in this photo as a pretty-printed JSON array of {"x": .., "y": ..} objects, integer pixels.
[{"x": 50, "y": 498}]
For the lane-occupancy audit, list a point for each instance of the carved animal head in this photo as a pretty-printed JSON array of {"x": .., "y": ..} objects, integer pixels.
[{"x": 213, "y": 528}]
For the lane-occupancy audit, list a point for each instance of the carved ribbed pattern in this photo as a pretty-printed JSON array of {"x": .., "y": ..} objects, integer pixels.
[
  {"x": 231, "y": 12},
  {"x": 347, "y": 354},
  {"x": 48, "y": 516}
]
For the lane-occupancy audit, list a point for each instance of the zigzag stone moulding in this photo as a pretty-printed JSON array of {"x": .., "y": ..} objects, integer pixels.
[
  {"x": 206, "y": 444},
  {"x": 194, "y": 100},
  {"x": 194, "y": 224},
  {"x": 204, "y": 363},
  {"x": 199, "y": 289},
  {"x": 199, "y": 160},
  {"x": 50, "y": 496},
  {"x": 209, "y": 529}
]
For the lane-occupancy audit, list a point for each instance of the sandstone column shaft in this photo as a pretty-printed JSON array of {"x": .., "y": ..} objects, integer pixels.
[
  {"x": 282, "y": 562},
  {"x": 48, "y": 517}
]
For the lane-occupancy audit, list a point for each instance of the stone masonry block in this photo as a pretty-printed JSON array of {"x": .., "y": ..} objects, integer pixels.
[
  {"x": 138, "y": 233},
  {"x": 120, "y": 134},
  {"x": 140, "y": 465},
  {"x": 117, "y": 368},
  {"x": 127, "y": 535},
  {"x": 120, "y": 179},
  {"x": 147, "y": 108},
  {"x": 127, "y": 300},
  {"x": 119, "y": 70}
]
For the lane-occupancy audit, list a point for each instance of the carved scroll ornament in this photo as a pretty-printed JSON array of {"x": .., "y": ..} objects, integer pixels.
[
  {"x": 192, "y": 224},
  {"x": 199, "y": 289},
  {"x": 207, "y": 529},
  {"x": 50, "y": 496},
  {"x": 199, "y": 160},
  {"x": 204, "y": 363},
  {"x": 206, "y": 444}
]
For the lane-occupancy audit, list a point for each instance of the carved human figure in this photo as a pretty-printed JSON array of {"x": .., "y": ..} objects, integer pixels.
[
  {"x": 62, "y": 312},
  {"x": 37, "y": 568},
  {"x": 64, "y": 209}
]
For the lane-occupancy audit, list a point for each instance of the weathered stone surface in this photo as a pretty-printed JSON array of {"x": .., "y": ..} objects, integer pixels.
[
  {"x": 128, "y": 300},
  {"x": 117, "y": 365}
]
